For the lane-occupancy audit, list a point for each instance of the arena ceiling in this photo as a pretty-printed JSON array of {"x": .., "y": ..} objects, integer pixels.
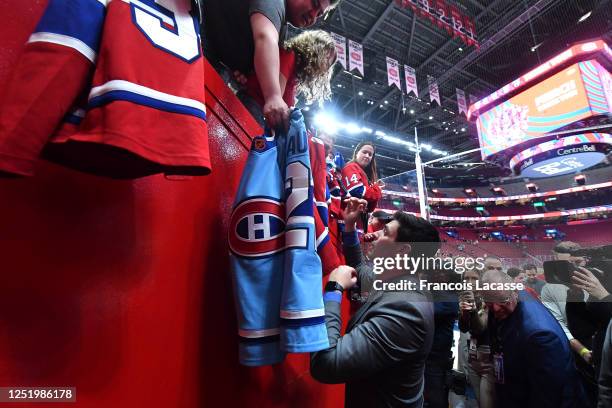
[{"x": 514, "y": 36}]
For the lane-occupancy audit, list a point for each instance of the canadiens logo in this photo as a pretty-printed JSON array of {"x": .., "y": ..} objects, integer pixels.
[{"x": 257, "y": 227}]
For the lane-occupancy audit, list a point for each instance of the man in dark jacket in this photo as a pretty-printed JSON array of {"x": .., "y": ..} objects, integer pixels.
[
  {"x": 381, "y": 358},
  {"x": 534, "y": 366}
]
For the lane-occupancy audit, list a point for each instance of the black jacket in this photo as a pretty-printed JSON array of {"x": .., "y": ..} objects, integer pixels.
[{"x": 381, "y": 358}]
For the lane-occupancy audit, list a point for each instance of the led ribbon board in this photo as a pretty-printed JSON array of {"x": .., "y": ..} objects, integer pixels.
[{"x": 562, "y": 156}]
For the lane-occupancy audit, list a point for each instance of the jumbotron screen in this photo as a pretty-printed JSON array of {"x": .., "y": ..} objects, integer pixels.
[{"x": 579, "y": 91}]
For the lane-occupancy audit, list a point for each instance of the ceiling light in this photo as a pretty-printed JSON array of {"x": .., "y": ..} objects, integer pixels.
[
  {"x": 412, "y": 111},
  {"x": 306, "y": 108},
  {"x": 386, "y": 102},
  {"x": 463, "y": 129},
  {"x": 339, "y": 85},
  {"x": 446, "y": 128},
  {"x": 380, "y": 133},
  {"x": 431, "y": 117},
  {"x": 366, "y": 130},
  {"x": 587, "y": 15},
  {"x": 360, "y": 93},
  {"x": 460, "y": 49},
  {"x": 353, "y": 128},
  {"x": 380, "y": 106}
]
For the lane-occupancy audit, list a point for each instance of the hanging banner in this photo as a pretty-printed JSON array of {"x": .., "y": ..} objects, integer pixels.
[
  {"x": 461, "y": 102},
  {"x": 446, "y": 16},
  {"x": 340, "y": 42},
  {"x": 411, "y": 83},
  {"x": 470, "y": 30},
  {"x": 442, "y": 15},
  {"x": 355, "y": 56},
  {"x": 393, "y": 77},
  {"x": 434, "y": 93}
]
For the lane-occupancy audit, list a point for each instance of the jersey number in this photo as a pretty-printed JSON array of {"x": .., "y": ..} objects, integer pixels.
[
  {"x": 298, "y": 181},
  {"x": 353, "y": 180},
  {"x": 168, "y": 25}
]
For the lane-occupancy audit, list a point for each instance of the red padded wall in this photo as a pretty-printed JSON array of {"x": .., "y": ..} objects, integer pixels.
[{"x": 121, "y": 288}]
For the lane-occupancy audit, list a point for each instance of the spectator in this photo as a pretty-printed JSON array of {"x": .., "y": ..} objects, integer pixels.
[
  {"x": 381, "y": 358},
  {"x": 605, "y": 375},
  {"x": 517, "y": 274},
  {"x": 554, "y": 298},
  {"x": 305, "y": 68},
  {"x": 245, "y": 35},
  {"x": 532, "y": 281},
  {"x": 534, "y": 367},
  {"x": 359, "y": 176},
  {"x": 493, "y": 263},
  {"x": 440, "y": 360},
  {"x": 473, "y": 318}
]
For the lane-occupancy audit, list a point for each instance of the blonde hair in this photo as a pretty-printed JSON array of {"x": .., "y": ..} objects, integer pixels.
[{"x": 313, "y": 49}]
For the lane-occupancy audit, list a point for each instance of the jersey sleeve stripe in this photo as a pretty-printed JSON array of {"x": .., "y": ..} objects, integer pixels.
[
  {"x": 258, "y": 333},
  {"x": 81, "y": 20},
  {"x": 323, "y": 238},
  {"x": 119, "y": 90},
  {"x": 66, "y": 41},
  {"x": 301, "y": 314}
]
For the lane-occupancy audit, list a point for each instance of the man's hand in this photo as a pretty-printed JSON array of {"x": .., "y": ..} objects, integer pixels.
[
  {"x": 372, "y": 236},
  {"x": 345, "y": 276},
  {"x": 354, "y": 207},
  {"x": 584, "y": 279},
  {"x": 276, "y": 113}
]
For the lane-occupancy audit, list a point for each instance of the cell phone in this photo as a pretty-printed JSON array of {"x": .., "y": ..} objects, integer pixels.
[{"x": 559, "y": 272}]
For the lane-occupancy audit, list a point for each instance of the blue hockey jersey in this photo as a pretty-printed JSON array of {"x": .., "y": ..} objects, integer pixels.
[{"x": 276, "y": 272}]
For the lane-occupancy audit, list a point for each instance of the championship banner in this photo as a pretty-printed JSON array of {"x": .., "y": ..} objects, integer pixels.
[
  {"x": 393, "y": 77},
  {"x": 411, "y": 83},
  {"x": 442, "y": 14},
  {"x": 355, "y": 56},
  {"x": 446, "y": 16},
  {"x": 461, "y": 102},
  {"x": 340, "y": 42},
  {"x": 434, "y": 93},
  {"x": 470, "y": 29}
]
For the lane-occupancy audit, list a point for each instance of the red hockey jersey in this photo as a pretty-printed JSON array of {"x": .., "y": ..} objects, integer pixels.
[
  {"x": 144, "y": 111},
  {"x": 325, "y": 247},
  {"x": 356, "y": 183}
]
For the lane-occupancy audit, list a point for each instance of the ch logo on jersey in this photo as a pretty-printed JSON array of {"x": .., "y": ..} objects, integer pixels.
[{"x": 257, "y": 227}]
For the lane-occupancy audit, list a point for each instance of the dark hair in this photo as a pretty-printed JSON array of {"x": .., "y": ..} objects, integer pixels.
[
  {"x": 370, "y": 171},
  {"x": 527, "y": 267},
  {"x": 424, "y": 238},
  {"x": 513, "y": 272},
  {"x": 382, "y": 216},
  {"x": 566, "y": 247}
]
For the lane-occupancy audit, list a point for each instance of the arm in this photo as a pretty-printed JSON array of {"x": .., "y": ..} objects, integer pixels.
[
  {"x": 556, "y": 307},
  {"x": 394, "y": 332},
  {"x": 267, "y": 68},
  {"x": 546, "y": 370},
  {"x": 605, "y": 374}
]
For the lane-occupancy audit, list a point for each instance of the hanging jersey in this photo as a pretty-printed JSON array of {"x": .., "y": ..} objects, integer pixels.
[
  {"x": 256, "y": 241},
  {"x": 275, "y": 268},
  {"x": 145, "y": 106},
  {"x": 302, "y": 310},
  {"x": 54, "y": 68},
  {"x": 325, "y": 248}
]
